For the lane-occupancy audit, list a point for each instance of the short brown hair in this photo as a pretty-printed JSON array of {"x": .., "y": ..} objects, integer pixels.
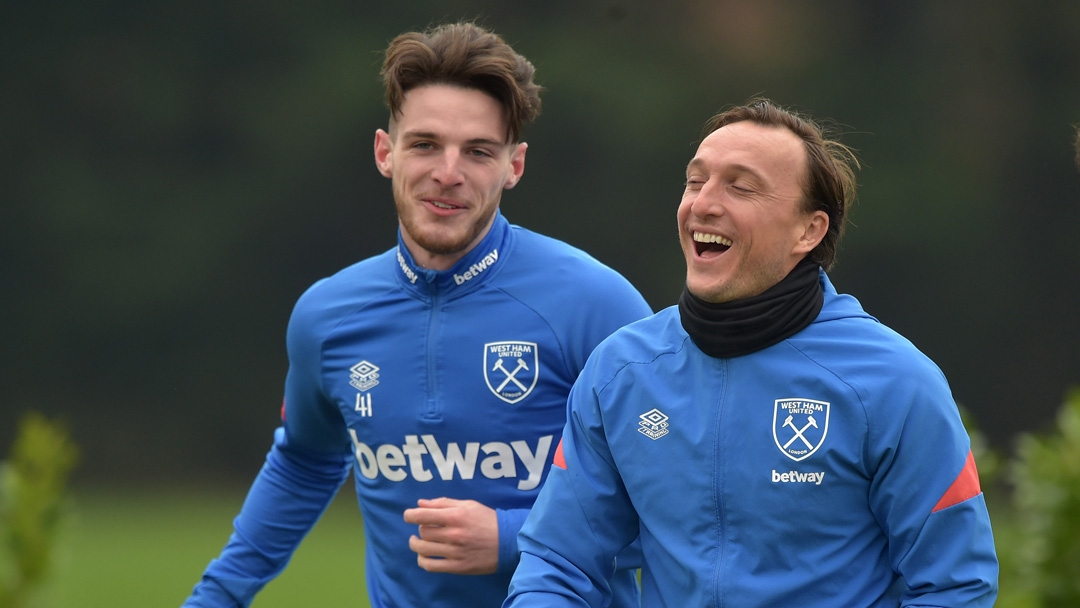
[
  {"x": 830, "y": 184},
  {"x": 464, "y": 55}
]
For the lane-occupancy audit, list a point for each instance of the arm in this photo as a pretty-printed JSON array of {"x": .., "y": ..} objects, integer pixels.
[
  {"x": 927, "y": 497},
  {"x": 303, "y": 472},
  {"x": 582, "y": 519},
  {"x": 288, "y": 496}
]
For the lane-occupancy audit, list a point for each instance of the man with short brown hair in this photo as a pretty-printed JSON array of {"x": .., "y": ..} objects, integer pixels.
[{"x": 439, "y": 369}]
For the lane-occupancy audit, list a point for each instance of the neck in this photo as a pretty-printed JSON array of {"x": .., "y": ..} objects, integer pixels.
[{"x": 741, "y": 327}]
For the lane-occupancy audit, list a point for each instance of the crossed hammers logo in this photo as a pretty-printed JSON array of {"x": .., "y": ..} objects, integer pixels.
[
  {"x": 810, "y": 422},
  {"x": 510, "y": 376}
]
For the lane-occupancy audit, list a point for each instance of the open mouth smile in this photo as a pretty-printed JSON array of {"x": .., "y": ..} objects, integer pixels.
[{"x": 705, "y": 243}]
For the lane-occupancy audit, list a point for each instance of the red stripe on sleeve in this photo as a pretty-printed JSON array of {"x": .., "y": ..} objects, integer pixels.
[
  {"x": 966, "y": 486},
  {"x": 559, "y": 461},
  {"x": 283, "y": 410}
]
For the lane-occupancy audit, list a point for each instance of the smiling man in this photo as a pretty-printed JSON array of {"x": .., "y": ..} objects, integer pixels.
[
  {"x": 770, "y": 442},
  {"x": 438, "y": 370}
]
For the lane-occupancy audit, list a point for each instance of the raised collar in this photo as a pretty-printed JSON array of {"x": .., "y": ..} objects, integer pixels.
[{"x": 474, "y": 269}]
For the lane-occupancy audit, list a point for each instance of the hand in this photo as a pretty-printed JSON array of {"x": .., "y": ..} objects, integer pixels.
[{"x": 456, "y": 536}]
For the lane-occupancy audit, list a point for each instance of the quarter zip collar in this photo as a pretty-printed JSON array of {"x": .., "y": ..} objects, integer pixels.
[{"x": 471, "y": 271}]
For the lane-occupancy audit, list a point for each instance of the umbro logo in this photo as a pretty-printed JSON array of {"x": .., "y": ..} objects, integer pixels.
[
  {"x": 654, "y": 424},
  {"x": 364, "y": 375}
]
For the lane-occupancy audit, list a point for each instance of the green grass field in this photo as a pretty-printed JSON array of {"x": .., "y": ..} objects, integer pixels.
[{"x": 136, "y": 549}]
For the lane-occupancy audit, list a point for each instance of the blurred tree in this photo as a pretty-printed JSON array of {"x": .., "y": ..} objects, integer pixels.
[
  {"x": 33, "y": 485},
  {"x": 1041, "y": 553}
]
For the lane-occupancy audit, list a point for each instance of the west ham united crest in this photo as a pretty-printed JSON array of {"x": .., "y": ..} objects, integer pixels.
[
  {"x": 511, "y": 369},
  {"x": 799, "y": 426}
]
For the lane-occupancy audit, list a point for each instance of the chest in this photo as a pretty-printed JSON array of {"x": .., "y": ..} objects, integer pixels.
[
  {"x": 478, "y": 367},
  {"x": 739, "y": 438}
]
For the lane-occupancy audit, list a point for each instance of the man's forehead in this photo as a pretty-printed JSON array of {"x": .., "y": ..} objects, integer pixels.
[
  {"x": 450, "y": 110},
  {"x": 743, "y": 145}
]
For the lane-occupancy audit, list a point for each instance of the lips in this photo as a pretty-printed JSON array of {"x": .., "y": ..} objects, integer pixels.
[{"x": 442, "y": 206}]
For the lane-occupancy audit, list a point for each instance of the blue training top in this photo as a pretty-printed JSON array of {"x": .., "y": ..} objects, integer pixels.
[
  {"x": 429, "y": 384},
  {"x": 829, "y": 470}
]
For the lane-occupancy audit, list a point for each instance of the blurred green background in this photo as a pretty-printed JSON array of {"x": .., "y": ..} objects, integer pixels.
[
  {"x": 129, "y": 549},
  {"x": 173, "y": 176}
]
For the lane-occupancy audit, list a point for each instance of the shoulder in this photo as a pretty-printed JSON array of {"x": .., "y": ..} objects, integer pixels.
[
  {"x": 336, "y": 296},
  {"x": 849, "y": 339},
  {"x": 541, "y": 259},
  {"x": 533, "y": 248},
  {"x": 639, "y": 345},
  {"x": 844, "y": 332},
  {"x": 655, "y": 334},
  {"x": 880, "y": 365}
]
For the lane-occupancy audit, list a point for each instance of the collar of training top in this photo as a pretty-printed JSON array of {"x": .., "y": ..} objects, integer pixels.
[{"x": 471, "y": 271}]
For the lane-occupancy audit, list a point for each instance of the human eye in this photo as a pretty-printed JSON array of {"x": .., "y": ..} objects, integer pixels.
[
  {"x": 481, "y": 153},
  {"x": 694, "y": 182}
]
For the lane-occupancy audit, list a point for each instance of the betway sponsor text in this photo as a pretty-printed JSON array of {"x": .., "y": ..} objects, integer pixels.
[
  {"x": 797, "y": 477},
  {"x": 398, "y": 462}
]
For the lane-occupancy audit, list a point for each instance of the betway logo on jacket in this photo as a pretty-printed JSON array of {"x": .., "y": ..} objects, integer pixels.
[
  {"x": 474, "y": 270},
  {"x": 409, "y": 274},
  {"x": 421, "y": 457}
]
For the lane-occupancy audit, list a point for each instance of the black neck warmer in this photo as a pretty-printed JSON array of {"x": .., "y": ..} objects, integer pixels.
[{"x": 741, "y": 327}]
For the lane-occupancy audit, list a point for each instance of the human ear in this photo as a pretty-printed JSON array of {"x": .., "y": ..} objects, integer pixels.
[
  {"x": 517, "y": 165},
  {"x": 814, "y": 229},
  {"x": 383, "y": 157}
]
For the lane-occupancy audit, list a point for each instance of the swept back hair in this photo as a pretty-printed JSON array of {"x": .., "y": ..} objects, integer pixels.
[{"x": 463, "y": 55}]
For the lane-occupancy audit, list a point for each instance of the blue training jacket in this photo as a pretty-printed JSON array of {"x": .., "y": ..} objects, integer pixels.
[
  {"x": 829, "y": 470},
  {"x": 428, "y": 384}
]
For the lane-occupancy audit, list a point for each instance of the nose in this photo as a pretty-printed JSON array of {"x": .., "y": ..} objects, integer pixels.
[
  {"x": 708, "y": 200},
  {"x": 448, "y": 170}
]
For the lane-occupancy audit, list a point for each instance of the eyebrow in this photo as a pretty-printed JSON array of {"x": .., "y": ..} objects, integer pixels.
[
  {"x": 698, "y": 163},
  {"x": 694, "y": 163},
  {"x": 476, "y": 141}
]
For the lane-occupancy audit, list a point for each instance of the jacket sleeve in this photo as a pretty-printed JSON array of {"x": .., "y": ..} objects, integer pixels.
[
  {"x": 288, "y": 496},
  {"x": 623, "y": 306},
  {"x": 926, "y": 495},
  {"x": 510, "y": 521},
  {"x": 613, "y": 304},
  {"x": 304, "y": 470},
  {"x": 581, "y": 520}
]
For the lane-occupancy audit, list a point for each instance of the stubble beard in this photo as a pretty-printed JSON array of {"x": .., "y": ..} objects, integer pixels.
[
  {"x": 746, "y": 283},
  {"x": 438, "y": 237}
]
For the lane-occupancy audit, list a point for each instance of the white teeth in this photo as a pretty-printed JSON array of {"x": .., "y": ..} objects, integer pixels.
[
  {"x": 442, "y": 205},
  {"x": 702, "y": 237}
]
